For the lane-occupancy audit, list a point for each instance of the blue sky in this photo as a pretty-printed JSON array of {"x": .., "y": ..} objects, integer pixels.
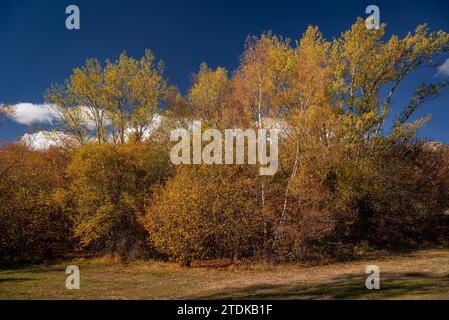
[{"x": 37, "y": 50}]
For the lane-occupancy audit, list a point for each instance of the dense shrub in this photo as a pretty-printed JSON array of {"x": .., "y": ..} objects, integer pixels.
[
  {"x": 34, "y": 224},
  {"x": 206, "y": 213},
  {"x": 109, "y": 185}
]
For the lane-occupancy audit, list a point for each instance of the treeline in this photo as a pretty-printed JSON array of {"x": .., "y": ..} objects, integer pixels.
[{"x": 352, "y": 173}]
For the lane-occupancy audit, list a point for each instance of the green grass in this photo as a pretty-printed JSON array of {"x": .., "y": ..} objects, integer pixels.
[{"x": 419, "y": 275}]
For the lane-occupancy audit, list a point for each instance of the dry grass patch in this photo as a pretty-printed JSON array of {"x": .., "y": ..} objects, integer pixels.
[{"x": 419, "y": 275}]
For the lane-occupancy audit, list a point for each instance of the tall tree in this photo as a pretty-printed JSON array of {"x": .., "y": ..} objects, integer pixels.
[
  {"x": 207, "y": 97},
  {"x": 113, "y": 103},
  {"x": 368, "y": 70}
]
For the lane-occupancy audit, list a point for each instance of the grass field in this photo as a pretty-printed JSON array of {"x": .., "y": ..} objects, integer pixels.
[{"x": 418, "y": 275}]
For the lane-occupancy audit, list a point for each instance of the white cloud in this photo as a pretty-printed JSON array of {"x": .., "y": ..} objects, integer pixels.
[
  {"x": 43, "y": 140},
  {"x": 443, "y": 70},
  {"x": 152, "y": 127},
  {"x": 29, "y": 113}
]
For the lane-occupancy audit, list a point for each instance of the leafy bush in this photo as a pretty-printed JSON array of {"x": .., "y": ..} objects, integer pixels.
[
  {"x": 33, "y": 223},
  {"x": 206, "y": 213},
  {"x": 110, "y": 184}
]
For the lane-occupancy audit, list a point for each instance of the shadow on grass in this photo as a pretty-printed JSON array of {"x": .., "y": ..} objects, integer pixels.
[
  {"x": 38, "y": 268},
  {"x": 351, "y": 286},
  {"x": 15, "y": 280}
]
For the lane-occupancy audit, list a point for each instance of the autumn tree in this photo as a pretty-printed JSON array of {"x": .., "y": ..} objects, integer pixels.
[
  {"x": 364, "y": 64},
  {"x": 34, "y": 224},
  {"x": 329, "y": 97},
  {"x": 135, "y": 92},
  {"x": 366, "y": 73},
  {"x": 109, "y": 185},
  {"x": 111, "y": 103},
  {"x": 217, "y": 217},
  {"x": 207, "y": 96},
  {"x": 262, "y": 79}
]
